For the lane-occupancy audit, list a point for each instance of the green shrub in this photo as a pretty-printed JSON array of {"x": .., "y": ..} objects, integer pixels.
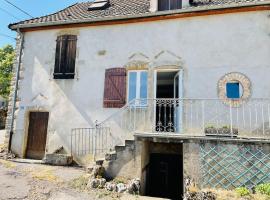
[
  {"x": 242, "y": 191},
  {"x": 263, "y": 189}
]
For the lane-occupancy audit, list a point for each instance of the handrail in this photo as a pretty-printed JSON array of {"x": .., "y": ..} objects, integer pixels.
[
  {"x": 190, "y": 117},
  {"x": 116, "y": 113},
  {"x": 160, "y": 99}
]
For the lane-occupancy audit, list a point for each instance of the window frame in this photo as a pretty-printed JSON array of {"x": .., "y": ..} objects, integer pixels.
[
  {"x": 138, "y": 87},
  {"x": 67, "y": 72}
]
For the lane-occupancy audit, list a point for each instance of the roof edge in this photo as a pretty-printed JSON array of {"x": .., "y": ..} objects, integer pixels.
[{"x": 146, "y": 15}]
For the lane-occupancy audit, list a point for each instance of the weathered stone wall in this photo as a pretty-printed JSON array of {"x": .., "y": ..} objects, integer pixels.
[{"x": 12, "y": 91}]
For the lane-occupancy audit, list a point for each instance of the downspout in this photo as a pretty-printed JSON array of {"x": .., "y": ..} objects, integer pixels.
[{"x": 18, "y": 68}]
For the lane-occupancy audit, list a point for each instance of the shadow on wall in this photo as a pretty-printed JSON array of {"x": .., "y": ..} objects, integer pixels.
[{"x": 66, "y": 100}]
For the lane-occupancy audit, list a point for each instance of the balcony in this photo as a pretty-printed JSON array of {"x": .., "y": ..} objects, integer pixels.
[
  {"x": 194, "y": 117},
  {"x": 171, "y": 119}
]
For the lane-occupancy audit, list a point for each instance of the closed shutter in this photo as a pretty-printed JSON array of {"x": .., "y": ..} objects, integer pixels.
[
  {"x": 115, "y": 88},
  {"x": 65, "y": 57}
]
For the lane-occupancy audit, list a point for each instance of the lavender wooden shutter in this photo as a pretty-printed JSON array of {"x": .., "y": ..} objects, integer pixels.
[{"x": 115, "y": 88}]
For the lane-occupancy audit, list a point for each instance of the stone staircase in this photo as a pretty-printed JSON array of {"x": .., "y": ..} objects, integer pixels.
[
  {"x": 122, "y": 157},
  {"x": 118, "y": 151}
]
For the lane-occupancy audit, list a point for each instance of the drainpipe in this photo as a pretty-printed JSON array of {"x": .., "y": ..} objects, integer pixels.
[{"x": 15, "y": 89}]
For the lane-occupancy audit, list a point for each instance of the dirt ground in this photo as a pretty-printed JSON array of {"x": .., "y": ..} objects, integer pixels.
[
  {"x": 28, "y": 181},
  {"x": 2, "y": 136}
]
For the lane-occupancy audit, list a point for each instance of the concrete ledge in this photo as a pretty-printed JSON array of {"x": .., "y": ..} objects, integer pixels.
[{"x": 180, "y": 138}]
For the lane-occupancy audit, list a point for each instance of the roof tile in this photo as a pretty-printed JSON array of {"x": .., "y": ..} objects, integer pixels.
[{"x": 79, "y": 11}]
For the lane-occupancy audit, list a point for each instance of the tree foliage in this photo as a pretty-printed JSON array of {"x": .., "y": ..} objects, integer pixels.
[{"x": 7, "y": 55}]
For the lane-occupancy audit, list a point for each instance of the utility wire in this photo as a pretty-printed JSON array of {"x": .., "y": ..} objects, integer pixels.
[
  {"x": 7, "y": 36},
  {"x": 19, "y": 8},
  {"x": 7, "y": 12}
]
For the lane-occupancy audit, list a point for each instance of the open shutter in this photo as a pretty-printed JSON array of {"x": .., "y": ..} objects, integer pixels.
[
  {"x": 115, "y": 88},
  {"x": 59, "y": 53}
]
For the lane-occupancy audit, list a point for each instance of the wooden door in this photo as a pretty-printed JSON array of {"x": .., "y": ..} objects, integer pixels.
[{"x": 37, "y": 135}]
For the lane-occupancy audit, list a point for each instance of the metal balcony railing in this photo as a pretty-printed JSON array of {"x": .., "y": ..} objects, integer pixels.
[
  {"x": 202, "y": 117},
  {"x": 189, "y": 117}
]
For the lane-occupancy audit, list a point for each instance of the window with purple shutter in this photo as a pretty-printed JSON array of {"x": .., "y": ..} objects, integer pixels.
[{"x": 115, "y": 88}]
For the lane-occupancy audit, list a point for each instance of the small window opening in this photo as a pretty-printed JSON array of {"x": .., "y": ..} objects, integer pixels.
[
  {"x": 99, "y": 4},
  {"x": 169, "y": 4},
  {"x": 234, "y": 90}
]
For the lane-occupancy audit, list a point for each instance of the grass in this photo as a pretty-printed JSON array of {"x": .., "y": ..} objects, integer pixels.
[
  {"x": 8, "y": 164},
  {"x": 45, "y": 175},
  {"x": 233, "y": 195},
  {"x": 79, "y": 183}
]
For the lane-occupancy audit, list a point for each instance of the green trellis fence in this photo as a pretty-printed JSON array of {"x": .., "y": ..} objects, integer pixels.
[{"x": 229, "y": 166}]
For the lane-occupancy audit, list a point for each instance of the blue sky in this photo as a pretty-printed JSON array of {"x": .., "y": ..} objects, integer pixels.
[{"x": 35, "y": 8}]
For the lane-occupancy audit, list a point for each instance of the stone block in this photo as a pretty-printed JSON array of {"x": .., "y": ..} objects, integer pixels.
[{"x": 58, "y": 159}]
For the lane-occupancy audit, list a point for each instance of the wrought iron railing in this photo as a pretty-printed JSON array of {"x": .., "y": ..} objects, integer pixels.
[
  {"x": 190, "y": 117},
  {"x": 203, "y": 117}
]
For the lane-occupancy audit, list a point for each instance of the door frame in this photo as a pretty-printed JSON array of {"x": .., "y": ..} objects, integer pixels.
[
  {"x": 179, "y": 71},
  {"x": 26, "y": 129}
]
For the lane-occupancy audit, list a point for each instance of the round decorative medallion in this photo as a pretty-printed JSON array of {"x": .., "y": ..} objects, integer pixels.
[{"x": 234, "y": 88}]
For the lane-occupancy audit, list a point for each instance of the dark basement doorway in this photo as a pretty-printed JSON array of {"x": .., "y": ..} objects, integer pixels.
[{"x": 165, "y": 176}]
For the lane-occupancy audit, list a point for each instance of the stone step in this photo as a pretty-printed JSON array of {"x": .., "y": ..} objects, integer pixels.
[
  {"x": 130, "y": 143},
  {"x": 119, "y": 148}
]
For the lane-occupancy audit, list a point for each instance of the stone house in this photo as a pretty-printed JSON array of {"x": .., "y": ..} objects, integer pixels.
[{"x": 163, "y": 89}]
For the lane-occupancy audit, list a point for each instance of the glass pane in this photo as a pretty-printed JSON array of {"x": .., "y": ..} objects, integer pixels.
[
  {"x": 132, "y": 86},
  {"x": 232, "y": 90},
  {"x": 143, "y": 89}
]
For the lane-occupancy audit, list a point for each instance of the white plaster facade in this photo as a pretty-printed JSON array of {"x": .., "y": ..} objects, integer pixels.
[{"x": 206, "y": 47}]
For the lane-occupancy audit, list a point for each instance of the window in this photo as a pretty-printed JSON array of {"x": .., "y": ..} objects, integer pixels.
[
  {"x": 137, "y": 85},
  {"x": 169, "y": 4},
  {"x": 233, "y": 90},
  {"x": 65, "y": 57},
  {"x": 115, "y": 88}
]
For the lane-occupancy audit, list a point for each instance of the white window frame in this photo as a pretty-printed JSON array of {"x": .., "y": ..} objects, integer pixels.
[{"x": 138, "y": 84}]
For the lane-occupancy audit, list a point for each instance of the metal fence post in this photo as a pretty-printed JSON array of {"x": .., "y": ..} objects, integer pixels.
[
  {"x": 95, "y": 139},
  {"x": 203, "y": 116},
  {"x": 231, "y": 119},
  {"x": 71, "y": 142}
]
